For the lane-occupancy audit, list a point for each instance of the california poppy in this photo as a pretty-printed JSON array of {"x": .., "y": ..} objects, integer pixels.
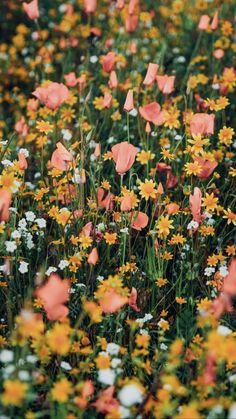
[
  {"x": 5, "y": 202},
  {"x": 123, "y": 155},
  {"x": 152, "y": 113},
  {"x": 54, "y": 294},
  {"x": 61, "y": 158},
  {"x": 31, "y": 9}
]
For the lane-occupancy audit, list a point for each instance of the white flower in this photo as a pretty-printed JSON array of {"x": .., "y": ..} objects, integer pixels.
[
  {"x": 30, "y": 216},
  {"x": 66, "y": 135},
  {"x": 8, "y": 370},
  {"x": 66, "y": 366},
  {"x": 223, "y": 330},
  {"x": 192, "y": 225},
  {"x": 130, "y": 394},
  {"x": 223, "y": 271},
  {"x": 134, "y": 112},
  {"x": 41, "y": 222},
  {"x": 6, "y": 356},
  {"x": 106, "y": 376},
  {"x": 31, "y": 359},
  {"x": 115, "y": 362},
  {"x": 101, "y": 227},
  {"x": 100, "y": 278},
  {"x": 63, "y": 264},
  {"x": 15, "y": 234},
  {"x": 23, "y": 268},
  {"x": 24, "y": 375},
  {"x": 10, "y": 246},
  {"x": 124, "y": 412},
  {"x": 93, "y": 59},
  {"x": 124, "y": 230},
  {"x": 232, "y": 412},
  {"x": 112, "y": 348},
  {"x": 24, "y": 151},
  {"x": 232, "y": 378},
  {"x": 50, "y": 270},
  {"x": 7, "y": 163},
  {"x": 209, "y": 271},
  {"x": 163, "y": 347},
  {"x": 22, "y": 224}
]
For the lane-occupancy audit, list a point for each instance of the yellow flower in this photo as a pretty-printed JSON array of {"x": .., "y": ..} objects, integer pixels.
[
  {"x": 44, "y": 126},
  {"x": 198, "y": 143},
  {"x": 144, "y": 156},
  {"x": 230, "y": 216},
  {"x": 161, "y": 282},
  {"x": 225, "y": 135},
  {"x": 188, "y": 411},
  {"x": 180, "y": 300},
  {"x": 164, "y": 324},
  {"x": 147, "y": 189},
  {"x": 171, "y": 119},
  {"x": 58, "y": 339},
  {"x": 93, "y": 310},
  {"x": 212, "y": 260},
  {"x": 193, "y": 168},
  {"x": 110, "y": 238},
  {"x": 164, "y": 225},
  {"x": 232, "y": 171},
  {"x": 210, "y": 202},
  {"x": 103, "y": 361},
  {"x": 61, "y": 390},
  {"x": 14, "y": 392},
  {"x": 230, "y": 250},
  {"x": 177, "y": 239},
  {"x": 85, "y": 241}
]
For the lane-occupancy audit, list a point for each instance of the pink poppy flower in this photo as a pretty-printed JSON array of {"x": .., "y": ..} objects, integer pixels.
[
  {"x": 195, "y": 202},
  {"x": 123, "y": 155},
  {"x": 113, "y": 81},
  {"x": 140, "y": 221},
  {"x": 152, "y": 113},
  {"x": 106, "y": 403},
  {"x": 131, "y": 23},
  {"x": 126, "y": 203},
  {"x": 31, "y": 9},
  {"x": 53, "y": 95},
  {"x": 23, "y": 165},
  {"x": 61, "y": 158},
  {"x": 165, "y": 84},
  {"x": 108, "y": 62},
  {"x": 120, "y": 4},
  {"x": 132, "y": 6},
  {"x": 90, "y": 6},
  {"x": 204, "y": 22},
  {"x": 215, "y": 21},
  {"x": 5, "y": 203},
  {"x": 108, "y": 202},
  {"x": 151, "y": 74},
  {"x": 112, "y": 301},
  {"x": 21, "y": 127},
  {"x": 93, "y": 257},
  {"x": 71, "y": 79},
  {"x": 54, "y": 294},
  {"x": 107, "y": 101},
  {"x": 207, "y": 167},
  {"x": 129, "y": 102},
  {"x": 229, "y": 284},
  {"x": 202, "y": 123},
  {"x": 133, "y": 300}
]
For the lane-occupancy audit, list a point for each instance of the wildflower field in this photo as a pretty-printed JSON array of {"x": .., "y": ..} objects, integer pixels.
[{"x": 117, "y": 209}]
